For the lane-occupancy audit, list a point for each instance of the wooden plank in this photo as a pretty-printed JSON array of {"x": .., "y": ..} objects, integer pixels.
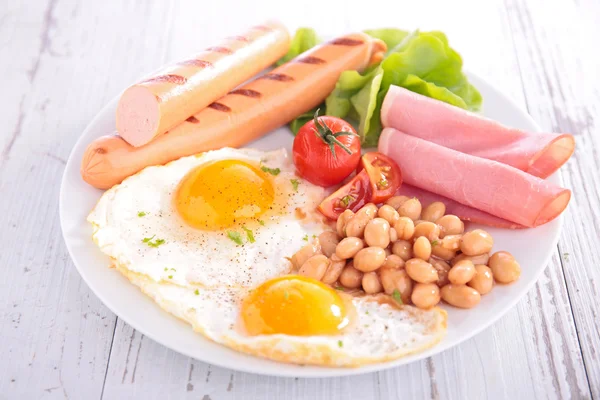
[
  {"x": 56, "y": 333},
  {"x": 560, "y": 80}
]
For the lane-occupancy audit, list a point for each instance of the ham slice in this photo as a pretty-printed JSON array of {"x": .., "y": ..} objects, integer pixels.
[
  {"x": 539, "y": 154},
  {"x": 486, "y": 185}
]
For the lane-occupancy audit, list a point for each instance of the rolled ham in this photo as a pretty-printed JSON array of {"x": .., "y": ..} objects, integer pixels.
[
  {"x": 539, "y": 154},
  {"x": 486, "y": 185}
]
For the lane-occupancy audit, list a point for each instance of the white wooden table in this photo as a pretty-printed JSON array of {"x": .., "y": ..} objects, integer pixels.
[{"x": 62, "y": 60}]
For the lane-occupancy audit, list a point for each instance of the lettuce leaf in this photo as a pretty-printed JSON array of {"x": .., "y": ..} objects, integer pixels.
[
  {"x": 422, "y": 62},
  {"x": 304, "y": 39}
]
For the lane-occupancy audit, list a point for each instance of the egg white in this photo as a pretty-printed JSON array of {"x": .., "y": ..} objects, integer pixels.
[{"x": 192, "y": 257}]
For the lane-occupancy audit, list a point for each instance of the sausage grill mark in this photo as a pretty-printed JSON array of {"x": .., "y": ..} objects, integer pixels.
[
  {"x": 309, "y": 60},
  {"x": 193, "y": 120},
  {"x": 219, "y": 107},
  {"x": 247, "y": 92},
  {"x": 220, "y": 49},
  {"x": 239, "y": 38},
  {"x": 346, "y": 42},
  {"x": 170, "y": 78},
  {"x": 277, "y": 77},
  {"x": 197, "y": 63}
]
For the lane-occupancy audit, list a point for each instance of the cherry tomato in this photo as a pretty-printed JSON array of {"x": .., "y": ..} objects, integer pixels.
[
  {"x": 353, "y": 195},
  {"x": 384, "y": 175},
  {"x": 326, "y": 150}
]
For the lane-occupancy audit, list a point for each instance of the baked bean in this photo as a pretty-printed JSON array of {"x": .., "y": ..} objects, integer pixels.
[
  {"x": 335, "y": 269},
  {"x": 355, "y": 227},
  {"x": 305, "y": 253},
  {"x": 462, "y": 272},
  {"x": 451, "y": 242},
  {"x": 396, "y": 279},
  {"x": 504, "y": 267},
  {"x": 369, "y": 209},
  {"x": 396, "y": 201},
  {"x": 377, "y": 233},
  {"x": 393, "y": 235},
  {"x": 476, "y": 242},
  {"x": 434, "y": 211},
  {"x": 421, "y": 271},
  {"x": 393, "y": 261},
  {"x": 450, "y": 225},
  {"x": 328, "y": 241},
  {"x": 483, "y": 281},
  {"x": 340, "y": 225},
  {"x": 422, "y": 248},
  {"x": 425, "y": 295},
  {"x": 388, "y": 213},
  {"x": 369, "y": 259},
  {"x": 351, "y": 277},
  {"x": 403, "y": 249},
  {"x": 348, "y": 247},
  {"x": 480, "y": 259},
  {"x": 371, "y": 283},
  {"x": 442, "y": 268},
  {"x": 315, "y": 267},
  {"x": 428, "y": 229},
  {"x": 405, "y": 228},
  {"x": 442, "y": 253},
  {"x": 411, "y": 208},
  {"x": 460, "y": 296}
]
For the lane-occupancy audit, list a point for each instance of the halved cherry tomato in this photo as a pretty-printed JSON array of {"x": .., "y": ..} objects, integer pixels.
[
  {"x": 384, "y": 174},
  {"x": 352, "y": 196},
  {"x": 326, "y": 150}
]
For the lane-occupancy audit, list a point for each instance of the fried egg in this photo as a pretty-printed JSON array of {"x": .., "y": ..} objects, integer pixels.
[
  {"x": 378, "y": 331},
  {"x": 211, "y": 235},
  {"x": 226, "y": 217}
]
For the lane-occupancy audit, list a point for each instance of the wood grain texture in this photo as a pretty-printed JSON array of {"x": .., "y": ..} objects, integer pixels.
[
  {"x": 69, "y": 57},
  {"x": 560, "y": 79}
]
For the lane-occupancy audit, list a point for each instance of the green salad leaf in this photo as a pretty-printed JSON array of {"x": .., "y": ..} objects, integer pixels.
[
  {"x": 304, "y": 39},
  {"x": 422, "y": 62}
]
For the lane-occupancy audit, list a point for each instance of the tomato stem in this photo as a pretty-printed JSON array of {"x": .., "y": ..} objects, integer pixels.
[{"x": 328, "y": 137}]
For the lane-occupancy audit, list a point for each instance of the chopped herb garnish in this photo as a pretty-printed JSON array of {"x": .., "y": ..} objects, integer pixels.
[
  {"x": 435, "y": 243},
  {"x": 196, "y": 292},
  {"x": 314, "y": 236},
  {"x": 366, "y": 312},
  {"x": 396, "y": 296},
  {"x": 235, "y": 236},
  {"x": 305, "y": 238},
  {"x": 170, "y": 276},
  {"x": 249, "y": 234},
  {"x": 141, "y": 214},
  {"x": 155, "y": 243},
  {"x": 173, "y": 269},
  {"x": 260, "y": 221},
  {"x": 339, "y": 288},
  {"x": 166, "y": 269},
  {"x": 295, "y": 183},
  {"x": 566, "y": 256},
  {"x": 340, "y": 343},
  {"x": 272, "y": 171},
  {"x": 346, "y": 200}
]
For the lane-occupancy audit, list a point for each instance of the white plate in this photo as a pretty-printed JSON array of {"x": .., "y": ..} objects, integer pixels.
[{"x": 531, "y": 247}]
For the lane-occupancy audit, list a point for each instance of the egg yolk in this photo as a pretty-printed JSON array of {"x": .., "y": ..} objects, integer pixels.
[
  {"x": 294, "y": 305},
  {"x": 217, "y": 195}
]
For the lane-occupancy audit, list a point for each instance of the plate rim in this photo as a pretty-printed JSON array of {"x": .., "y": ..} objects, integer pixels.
[{"x": 294, "y": 370}]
